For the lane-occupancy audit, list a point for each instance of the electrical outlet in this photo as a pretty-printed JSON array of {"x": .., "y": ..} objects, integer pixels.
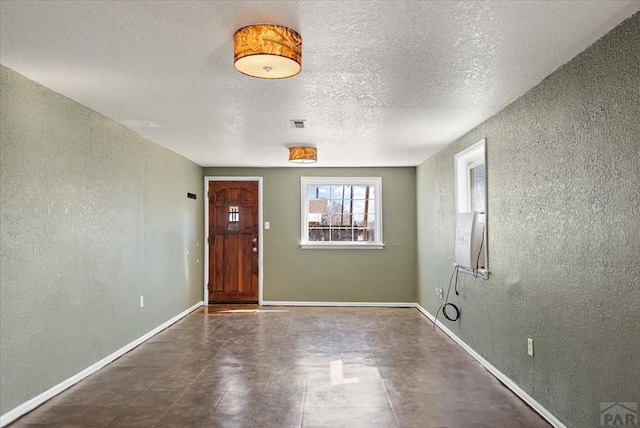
[
  {"x": 142, "y": 301},
  {"x": 530, "y": 346}
]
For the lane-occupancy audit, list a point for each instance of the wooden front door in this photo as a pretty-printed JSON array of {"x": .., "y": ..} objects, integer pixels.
[{"x": 233, "y": 241}]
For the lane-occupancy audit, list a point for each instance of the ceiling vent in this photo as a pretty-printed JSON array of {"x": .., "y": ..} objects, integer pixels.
[{"x": 297, "y": 123}]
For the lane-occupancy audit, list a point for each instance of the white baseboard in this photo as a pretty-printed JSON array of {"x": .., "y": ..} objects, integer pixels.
[
  {"x": 28, "y": 406},
  {"x": 340, "y": 304},
  {"x": 497, "y": 373}
]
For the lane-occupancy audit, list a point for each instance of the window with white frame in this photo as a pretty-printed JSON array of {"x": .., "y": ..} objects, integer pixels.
[
  {"x": 341, "y": 212},
  {"x": 471, "y": 179},
  {"x": 476, "y": 183},
  {"x": 471, "y": 192}
]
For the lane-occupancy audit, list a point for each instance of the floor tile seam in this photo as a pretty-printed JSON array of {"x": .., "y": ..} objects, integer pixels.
[
  {"x": 304, "y": 399},
  {"x": 178, "y": 399},
  {"x": 393, "y": 410},
  {"x": 135, "y": 407},
  {"x": 226, "y": 388},
  {"x": 182, "y": 394},
  {"x": 213, "y": 358}
]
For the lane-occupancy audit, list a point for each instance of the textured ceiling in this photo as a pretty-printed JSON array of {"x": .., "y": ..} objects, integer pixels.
[{"x": 384, "y": 83}]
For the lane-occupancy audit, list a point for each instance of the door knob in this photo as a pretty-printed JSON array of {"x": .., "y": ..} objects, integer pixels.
[
  {"x": 254, "y": 240},
  {"x": 254, "y": 249}
]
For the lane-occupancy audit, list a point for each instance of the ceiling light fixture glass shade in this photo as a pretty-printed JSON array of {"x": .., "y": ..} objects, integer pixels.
[
  {"x": 267, "y": 51},
  {"x": 303, "y": 154}
]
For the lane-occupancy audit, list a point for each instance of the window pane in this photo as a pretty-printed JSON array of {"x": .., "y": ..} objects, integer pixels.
[
  {"x": 317, "y": 192},
  {"x": 363, "y": 192},
  {"x": 334, "y": 207},
  {"x": 476, "y": 180},
  {"x": 372, "y": 192},
  {"x": 346, "y": 207},
  {"x": 358, "y": 207},
  {"x": 314, "y": 219},
  {"x": 347, "y": 220},
  {"x": 363, "y": 207},
  {"x": 341, "y": 233},
  {"x": 371, "y": 221},
  {"x": 312, "y": 192},
  {"x": 318, "y": 234},
  {"x": 371, "y": 234},
  {"x": 324, "y": 191},
  {"x": 333, "y": 212},
  {"x": 318, "y": 206},
  {"x": 365, "y": 234},
  {"x": 339, "y": 192}
]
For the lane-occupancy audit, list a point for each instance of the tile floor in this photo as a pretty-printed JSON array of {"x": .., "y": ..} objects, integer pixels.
[{"x": 292, "y": 367}]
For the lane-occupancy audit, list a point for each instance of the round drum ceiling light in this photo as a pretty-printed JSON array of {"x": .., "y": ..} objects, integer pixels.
[
  {"x": 267, "y": 51},
  {"x": 303, "y": 154}
]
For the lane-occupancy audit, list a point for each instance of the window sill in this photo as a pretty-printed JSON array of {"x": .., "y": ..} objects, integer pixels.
[
  {"x": 480, "y": 273},
  {"x": 336, "y": 246}
]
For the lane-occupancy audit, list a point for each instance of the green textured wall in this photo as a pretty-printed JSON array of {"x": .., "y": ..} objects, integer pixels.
[
  {"x": 293, "y": 274},
  {"x": 92, "y": 217},
  {"x": 564, "y": 234}
]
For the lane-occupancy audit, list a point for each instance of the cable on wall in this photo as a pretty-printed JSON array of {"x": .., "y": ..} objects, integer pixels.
[
  {"x": 446, "y": 304},
  {"x": 476, "y": 270}
]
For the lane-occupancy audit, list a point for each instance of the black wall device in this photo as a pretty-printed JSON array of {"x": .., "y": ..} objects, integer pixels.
[{"x": 191, "y": 196}]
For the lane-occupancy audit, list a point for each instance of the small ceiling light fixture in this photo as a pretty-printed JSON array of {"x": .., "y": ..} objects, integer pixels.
[
  {"x": 303, "y": 154},
  {"x": 267, "y": 51}
]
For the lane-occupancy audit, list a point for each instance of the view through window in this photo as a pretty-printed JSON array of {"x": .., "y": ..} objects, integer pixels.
[{"x": 341, "y": 211}]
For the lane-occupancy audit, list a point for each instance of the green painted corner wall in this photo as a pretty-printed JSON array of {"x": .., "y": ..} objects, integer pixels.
[
  {"x": 92, "y": 217},
  {"x": 294, "y": 274},
  {"x": 563, "y": 168}
]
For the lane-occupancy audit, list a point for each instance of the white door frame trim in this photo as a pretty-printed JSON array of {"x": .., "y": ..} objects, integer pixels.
[{"x": 207, "y": 180}]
